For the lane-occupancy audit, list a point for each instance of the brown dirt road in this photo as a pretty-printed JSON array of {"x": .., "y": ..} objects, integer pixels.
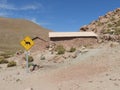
[{"x": 92, "y": 71}]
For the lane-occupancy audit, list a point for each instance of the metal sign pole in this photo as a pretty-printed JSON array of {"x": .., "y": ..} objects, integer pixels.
[
  {"x": 27, "y": 43},
  {"x": 27, "y": 68}
]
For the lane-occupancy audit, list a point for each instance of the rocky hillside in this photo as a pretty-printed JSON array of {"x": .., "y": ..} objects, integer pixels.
[
  {"x": 12, "y": 31},
  {"x": 107, "y": 24}
]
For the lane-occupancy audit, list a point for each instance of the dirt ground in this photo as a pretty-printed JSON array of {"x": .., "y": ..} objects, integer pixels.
[{"x": 98, "y": 69}]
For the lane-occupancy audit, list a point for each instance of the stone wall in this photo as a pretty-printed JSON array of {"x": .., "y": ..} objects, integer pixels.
[{"x": 69, "y": 42}]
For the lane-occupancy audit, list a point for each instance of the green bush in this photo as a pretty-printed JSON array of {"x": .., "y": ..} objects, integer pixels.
[
  {"x": 11, "y": 64},
  {"x": 30, "y": 59},
  {"x": 72, "y": 49},
  {"x": 2, "y": 60},
  {"x": 60, "y": 49}
]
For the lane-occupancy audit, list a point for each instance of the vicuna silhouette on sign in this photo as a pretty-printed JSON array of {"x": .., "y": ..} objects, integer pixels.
[{"x": 27, "y": 43}]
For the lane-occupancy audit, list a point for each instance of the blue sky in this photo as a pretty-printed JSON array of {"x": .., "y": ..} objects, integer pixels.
[{"x": 58, "y": 15}]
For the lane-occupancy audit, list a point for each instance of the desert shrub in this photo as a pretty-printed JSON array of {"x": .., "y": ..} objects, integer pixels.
[
  {"x": 112, "y": 19},
  {"x": 117, "y": 31},
  {"x": 42, "y": 57},
  {"x": 5, "y": 55},
  {"x": 72, "y": 49},
  {"x": 30, "y": 59},
  {"x": 11, "y": 64},
  {"x": 3, "y": 61},
  {"x": 60, "y": 49},
  {"x": 108, "y": 31},
  {"x": 30, "y": 64},
  {"x": 110, "y": 25},
  {"x": 99, "y": 23},
  {"x": 118, "y": 23}
]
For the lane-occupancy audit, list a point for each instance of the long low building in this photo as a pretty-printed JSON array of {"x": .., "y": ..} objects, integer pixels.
[
  {"x": 72, "y": 34},
  {"x": 73, "y": 39}
]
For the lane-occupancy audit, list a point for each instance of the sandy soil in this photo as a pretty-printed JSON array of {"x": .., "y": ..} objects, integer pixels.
[{"x": 98, "y": 69}]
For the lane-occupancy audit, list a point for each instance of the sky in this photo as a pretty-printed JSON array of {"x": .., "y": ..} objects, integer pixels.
[{"x": 58, "y": 15}]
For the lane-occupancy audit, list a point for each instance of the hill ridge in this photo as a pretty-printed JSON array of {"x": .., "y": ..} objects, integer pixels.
[{"x": 12, "y": 31}]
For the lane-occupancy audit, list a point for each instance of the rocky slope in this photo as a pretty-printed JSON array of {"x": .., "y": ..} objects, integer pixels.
[{"x": 107, "y": 24}]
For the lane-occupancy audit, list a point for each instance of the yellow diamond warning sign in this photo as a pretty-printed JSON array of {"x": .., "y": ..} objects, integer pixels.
[{"x": 27, "y": 43}]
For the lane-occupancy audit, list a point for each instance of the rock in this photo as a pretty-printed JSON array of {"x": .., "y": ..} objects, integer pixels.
[
  {"x": 100, "y": 41},
  {"x": 116, "y": 84},
  {"x": 107, "y": 74},
  {"x": 18, "y": 80},
  {"x": 77, "y": 52},
  {"x": 118, "y": 9},
  {"x": 74, "y": 56},
  {"x": 50, "y": 49},
  {"x": 114, "y": 44},
  {"x": 34, "y": 67},
  {"x": 84, "y": 28},
  {"x": 84, "y": 51},
  {"x": 82, "y": 48},
  {"x": 42, "y": 57},
  {"x": 108, "y": 37},
  {"x": 61, "y": 60},
  {"x": 58, "y": 59},
  {"x": 66, "y": 56},
  {"x": 23, "y": 65},
  {"x": 18, "y": 73},
  {"x": 90, "y": 81},
  {"x": 0, "y": 67},
  {"x": 29, "y": 89},
  {"x": 31, "y": 68}
]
